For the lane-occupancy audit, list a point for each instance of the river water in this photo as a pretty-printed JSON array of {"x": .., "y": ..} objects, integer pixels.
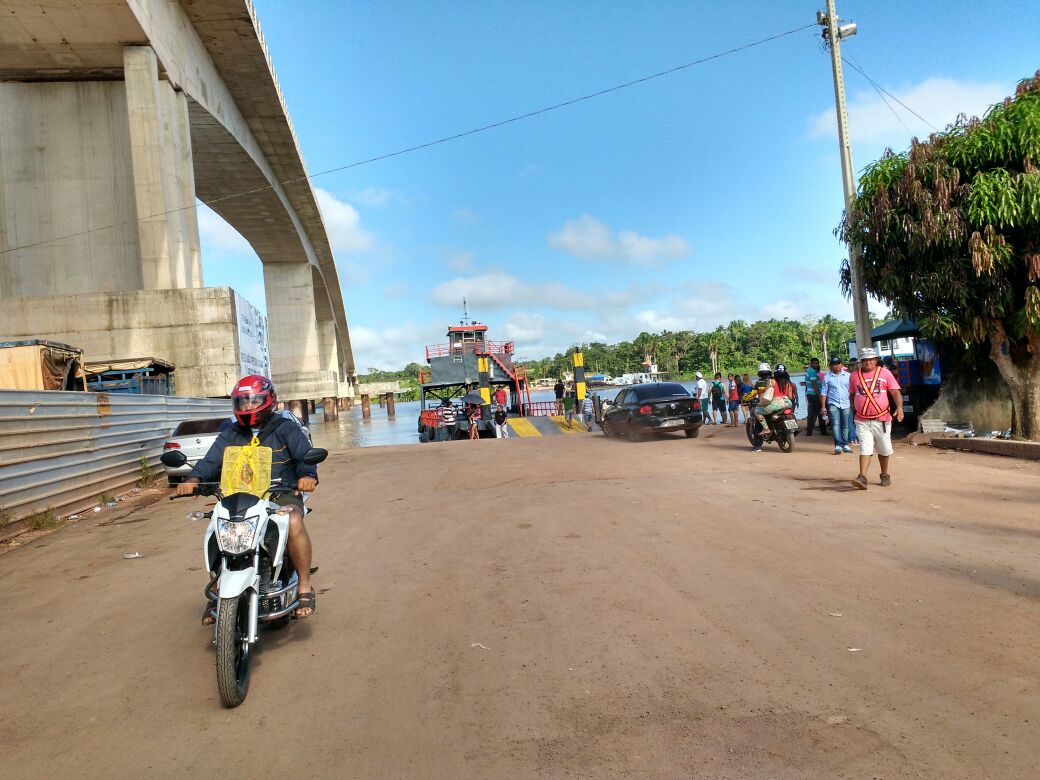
[{"x": 350, "y": 430}]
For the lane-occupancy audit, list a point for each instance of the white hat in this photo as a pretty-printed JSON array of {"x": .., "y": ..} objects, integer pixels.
[
  {"x": 700, "y": 375},
  {"x": 867, "y": 353}
]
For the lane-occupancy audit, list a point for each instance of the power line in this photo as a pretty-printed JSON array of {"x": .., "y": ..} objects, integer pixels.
[
  {"x": 884, "y": 100},
  {"x": 881, "y": 89},
  {"x": 436, "y": 142}
]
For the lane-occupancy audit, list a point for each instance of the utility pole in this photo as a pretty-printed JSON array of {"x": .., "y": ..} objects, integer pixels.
[{"x": 833, "y": 34}]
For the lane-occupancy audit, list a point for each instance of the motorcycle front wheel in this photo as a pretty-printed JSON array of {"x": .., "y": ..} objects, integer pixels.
[{"x": 232, "y": 639}]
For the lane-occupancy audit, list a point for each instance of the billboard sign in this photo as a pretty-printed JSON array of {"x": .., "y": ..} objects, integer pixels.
[{"x": 253, "y": 357}]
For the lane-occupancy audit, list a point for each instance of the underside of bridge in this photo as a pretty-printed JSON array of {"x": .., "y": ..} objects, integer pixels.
[{"x": 114, "y": 116}]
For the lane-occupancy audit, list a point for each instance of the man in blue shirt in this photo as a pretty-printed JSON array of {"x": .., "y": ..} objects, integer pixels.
[
  {"x": 834, "y": 390},
  {"x": 812, "y": 399}
]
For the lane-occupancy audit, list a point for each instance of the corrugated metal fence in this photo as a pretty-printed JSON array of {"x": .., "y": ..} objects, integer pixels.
[{"x": 60, "y": 450}]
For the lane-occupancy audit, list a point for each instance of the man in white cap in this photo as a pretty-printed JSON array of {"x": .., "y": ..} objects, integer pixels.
[
  {"x": 702, "y": 394},
  {"x": 874, "y": 392}
]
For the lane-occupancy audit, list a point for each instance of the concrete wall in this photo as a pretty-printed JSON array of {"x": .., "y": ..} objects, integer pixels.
[
  {"x": 195, "y": 329},
  {"x": 65, "y": 168}
]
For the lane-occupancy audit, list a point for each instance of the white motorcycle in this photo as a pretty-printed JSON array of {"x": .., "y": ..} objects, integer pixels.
[{"x": 253, "y": 579}]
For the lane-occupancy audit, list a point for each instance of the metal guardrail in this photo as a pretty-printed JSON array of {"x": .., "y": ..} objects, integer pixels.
[{"x": 61, "y": 450}]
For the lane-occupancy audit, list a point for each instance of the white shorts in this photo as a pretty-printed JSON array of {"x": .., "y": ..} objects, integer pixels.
[{"x": 874, "y": 434}]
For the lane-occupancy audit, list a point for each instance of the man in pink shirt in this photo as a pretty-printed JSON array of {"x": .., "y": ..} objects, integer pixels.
[{"x": 874, "y": 391}]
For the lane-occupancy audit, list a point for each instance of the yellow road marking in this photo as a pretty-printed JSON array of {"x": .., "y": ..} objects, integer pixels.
[
  {"x": 575, "y": 427},
  {"x": 522, "y": 427}
]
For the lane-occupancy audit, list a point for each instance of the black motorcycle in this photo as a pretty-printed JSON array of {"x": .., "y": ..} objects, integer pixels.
[{"x": 781, "y": 427}]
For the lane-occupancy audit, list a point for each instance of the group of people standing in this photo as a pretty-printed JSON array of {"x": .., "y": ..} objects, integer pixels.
[
  {"x": 860, "y": 403},
  {"x": 721, "y": 399},
  {"x": 568, "y": 404}
]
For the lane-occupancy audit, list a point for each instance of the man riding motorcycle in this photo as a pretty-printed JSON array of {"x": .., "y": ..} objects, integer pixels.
[{"x": 253, "y": 401}]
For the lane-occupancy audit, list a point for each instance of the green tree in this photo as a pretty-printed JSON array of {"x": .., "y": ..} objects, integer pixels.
[{"x": 950, "y": 235}]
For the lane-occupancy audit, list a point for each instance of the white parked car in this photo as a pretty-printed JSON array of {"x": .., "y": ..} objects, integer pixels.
[{"x": 195, "y": 437}]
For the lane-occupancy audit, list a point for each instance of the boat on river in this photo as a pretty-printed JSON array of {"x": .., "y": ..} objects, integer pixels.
[{"x": 469, "y": 363}]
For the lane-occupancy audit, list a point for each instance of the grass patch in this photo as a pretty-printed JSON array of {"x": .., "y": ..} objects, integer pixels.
[
  {"x": 6, "y": 518},
  {"x": 147, "y": 476},
  {"x": 105, "y": 498},
  {"x": 44, "y": 520}
]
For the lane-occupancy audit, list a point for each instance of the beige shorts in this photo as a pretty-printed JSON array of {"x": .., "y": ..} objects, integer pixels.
[{"x": 874, "y": 436}]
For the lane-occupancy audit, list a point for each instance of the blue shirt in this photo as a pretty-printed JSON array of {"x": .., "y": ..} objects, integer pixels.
[
  {"x": 812, "y": 376},
  {"x": 836, "y": 388}
]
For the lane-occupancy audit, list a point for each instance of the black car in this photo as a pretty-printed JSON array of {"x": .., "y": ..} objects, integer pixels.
[{"x": 658, "y": 407}]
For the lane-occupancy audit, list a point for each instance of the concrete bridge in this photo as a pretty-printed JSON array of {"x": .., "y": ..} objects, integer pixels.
[{"x": 114, "y": 116}]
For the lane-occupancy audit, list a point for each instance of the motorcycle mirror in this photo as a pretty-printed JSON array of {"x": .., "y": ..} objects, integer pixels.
[
  {"x": 173, "y": 458},
  {"x": 315, "y": 455}
]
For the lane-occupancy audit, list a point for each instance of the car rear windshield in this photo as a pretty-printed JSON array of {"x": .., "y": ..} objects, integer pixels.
[
  {"x": 662, "y": 390},
  {"x": 197, "y": 427}
]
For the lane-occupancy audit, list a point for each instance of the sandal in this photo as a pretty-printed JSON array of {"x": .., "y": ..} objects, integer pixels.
[
  {"x": 306, "y": 601},
  {"x": 208, "y": 619}
]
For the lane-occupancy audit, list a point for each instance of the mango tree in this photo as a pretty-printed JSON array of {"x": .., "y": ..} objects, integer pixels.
[{"x": 950, "y": 236}]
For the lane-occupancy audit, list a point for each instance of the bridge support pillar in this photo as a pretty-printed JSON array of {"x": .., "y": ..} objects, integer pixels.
[
  {"x": 293, "y": 333},
  {"x": 164, "y": 181},
  {"x": 390, "y": 411},
  {"x": 330, "y": 408},
  {"x": 366, "y": 408},
  {"x": 299, "y": 408}
]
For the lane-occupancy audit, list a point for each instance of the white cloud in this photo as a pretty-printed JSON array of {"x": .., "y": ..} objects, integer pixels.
[
  {"x": 377, "y": 197},
  {"x": 525, "y": 328},
  {"x": 589, "y": 239},
  {"x": 398, "y": 290},
  {"x": 215, "y": 232},
  {"x": 343, "y": 224},
  {"x": 459, "y": 260},
  {"x": 465, "y": 216},
  {"x": 393, "y": 347},
  {"x": 811, "y": 275},
  {"x": 939, "y": 100},
  {"x": 498, "y": 290}
]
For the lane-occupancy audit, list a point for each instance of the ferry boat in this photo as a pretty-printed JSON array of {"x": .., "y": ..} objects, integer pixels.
[{"x": 471, "y": 366}]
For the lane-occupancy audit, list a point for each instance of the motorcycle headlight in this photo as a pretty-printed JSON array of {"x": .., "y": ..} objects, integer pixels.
[{"x": 236, "y": 536}]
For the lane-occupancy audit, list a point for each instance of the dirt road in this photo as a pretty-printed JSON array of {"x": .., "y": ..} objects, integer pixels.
[{"x": 564, "y": 607}]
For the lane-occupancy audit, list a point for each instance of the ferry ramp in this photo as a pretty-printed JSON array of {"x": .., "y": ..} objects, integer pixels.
[{"x": 544, "y": 426}]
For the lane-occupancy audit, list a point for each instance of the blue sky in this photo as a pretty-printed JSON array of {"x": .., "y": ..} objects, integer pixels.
[{"x": 685, "y": 202}]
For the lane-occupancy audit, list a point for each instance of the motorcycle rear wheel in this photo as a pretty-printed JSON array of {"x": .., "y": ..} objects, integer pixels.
[
  {"x": 233, "y": 650},
  {"x": 785, "y": 442}
]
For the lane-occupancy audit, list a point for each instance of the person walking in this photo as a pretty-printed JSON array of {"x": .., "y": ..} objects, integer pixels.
[
  {"x": 587, "y": 411},
  {"x": 559, "y": 388},
  {"x": 501, "y": 428},
  {"x": 733, "y": 398},
  {"x": 449, "y": 419},
  {"x": 874, "y": 391},
  {"x": 718, "y": 399},
  {"x": 851, "y": 438},
  {"x": 473, "y": 416},
  {"x": 568, "y": 408},
  {"x": 834, "y": 395},
  {"x": 814, "y": 404},
  {"x": 702, "y": 396}
]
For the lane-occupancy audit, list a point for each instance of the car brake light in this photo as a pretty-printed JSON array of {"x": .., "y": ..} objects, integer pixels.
[
  {"x": 171, "y": 445},
  {"x": 644, "y": 409},
  {"x": 696, "y": 405}
]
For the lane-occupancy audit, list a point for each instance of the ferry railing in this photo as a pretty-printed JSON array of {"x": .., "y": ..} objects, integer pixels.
[
  {"x": 486, "y": 347},
  {"x": 542, "y": 408}
]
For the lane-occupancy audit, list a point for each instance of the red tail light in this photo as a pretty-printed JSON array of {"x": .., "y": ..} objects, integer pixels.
[
  {"x": 171, "y": 445},
  {"x": 696, "y": 405},
  {"x": 644, "y": 409}
]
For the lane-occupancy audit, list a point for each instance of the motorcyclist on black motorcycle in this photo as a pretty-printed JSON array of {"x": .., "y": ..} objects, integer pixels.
[
  {"x": 254, "y": 401},
  {"x": 773, "y": 392}
]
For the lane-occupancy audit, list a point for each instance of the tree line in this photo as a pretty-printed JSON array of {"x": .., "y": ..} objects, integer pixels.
[{"x": 737, "y": 347}]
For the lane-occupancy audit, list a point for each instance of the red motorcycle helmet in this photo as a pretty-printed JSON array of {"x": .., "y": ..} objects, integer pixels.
[{"x": 253, "y": 400}]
